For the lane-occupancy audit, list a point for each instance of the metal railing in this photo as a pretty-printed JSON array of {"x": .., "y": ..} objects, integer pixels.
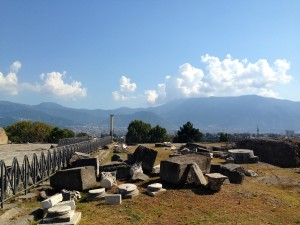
[
  {"x": 70, "y": 141},
  {"x": 19, "y": 178}
]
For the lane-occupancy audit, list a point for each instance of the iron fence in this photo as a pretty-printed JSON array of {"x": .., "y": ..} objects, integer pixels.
[
  {"x": 70, "y": 141},
  {"x": 19, "y": 178}
]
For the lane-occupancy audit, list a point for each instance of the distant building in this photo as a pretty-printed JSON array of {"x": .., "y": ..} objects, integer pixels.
[{"x": 289, "y": 133}]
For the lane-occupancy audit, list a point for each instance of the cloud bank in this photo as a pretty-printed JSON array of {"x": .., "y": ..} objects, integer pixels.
[
  {"x": 53, "y": 84},
  {"x": 9, "y": 83},
  {"x": 227, "y": 77},
  {"x": 126, "y": 90}
]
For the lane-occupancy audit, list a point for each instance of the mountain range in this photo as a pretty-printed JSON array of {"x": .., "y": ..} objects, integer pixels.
[{"x": 211, "y": 114}]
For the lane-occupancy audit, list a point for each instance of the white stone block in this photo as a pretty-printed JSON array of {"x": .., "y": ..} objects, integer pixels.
[{"x": 52, "y": 201}]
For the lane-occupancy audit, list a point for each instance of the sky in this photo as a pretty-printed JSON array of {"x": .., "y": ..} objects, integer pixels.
[{"x": 138, "y": 53}]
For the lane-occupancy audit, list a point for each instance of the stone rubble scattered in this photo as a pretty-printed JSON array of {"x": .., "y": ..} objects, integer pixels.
[{"x": 191, "y": 164}]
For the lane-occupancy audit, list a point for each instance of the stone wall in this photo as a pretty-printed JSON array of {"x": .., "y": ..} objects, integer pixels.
[
  {"x": 283, "y": 153},
  {"x": 3, "y": 137}
]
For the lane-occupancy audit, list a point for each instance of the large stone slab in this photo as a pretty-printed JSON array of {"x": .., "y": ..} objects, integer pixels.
[
  {"x": 144, "y": 155},
  {"x": 123, "y": 169},
  {"x": 234, "y": 172},
  {"x": 93, "y": 161},
  {"x": 175, "y": 170},
  {"x": 79, "y": 179}
]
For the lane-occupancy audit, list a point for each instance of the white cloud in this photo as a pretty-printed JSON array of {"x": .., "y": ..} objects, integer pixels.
[
  {"x": 9, "y": 83},
  {"x": 126, "y": 90},
  {"x": 227, "y": 77},
  {"x": 54, "y": 84}
]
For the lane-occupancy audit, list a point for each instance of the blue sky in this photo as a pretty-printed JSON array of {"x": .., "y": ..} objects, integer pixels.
[{"x": 109, "y": 54}]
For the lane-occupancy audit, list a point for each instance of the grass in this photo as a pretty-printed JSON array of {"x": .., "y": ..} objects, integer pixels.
[{"x": 253, "y": 202}]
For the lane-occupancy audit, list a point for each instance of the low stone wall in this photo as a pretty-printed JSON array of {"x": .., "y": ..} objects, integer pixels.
[{"x": 283, "y": 153}]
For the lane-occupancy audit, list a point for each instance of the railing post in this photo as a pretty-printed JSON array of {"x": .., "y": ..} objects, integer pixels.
[
  {"x": 2, "y": 183},
  {"x": 26, "y": 173}
]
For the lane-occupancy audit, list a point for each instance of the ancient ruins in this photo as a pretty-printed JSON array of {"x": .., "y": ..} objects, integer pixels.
[{"x": 190, "y": 165}]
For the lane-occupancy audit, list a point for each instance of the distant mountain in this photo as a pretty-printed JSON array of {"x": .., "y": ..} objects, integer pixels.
[{"x": 213, "y": 114}]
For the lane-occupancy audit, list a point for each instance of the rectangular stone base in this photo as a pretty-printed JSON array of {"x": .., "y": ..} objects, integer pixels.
[{"x": 74, "y": 220}]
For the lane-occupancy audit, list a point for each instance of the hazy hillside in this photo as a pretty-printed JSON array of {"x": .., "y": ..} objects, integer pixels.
[{"x": 213, "y": 114}]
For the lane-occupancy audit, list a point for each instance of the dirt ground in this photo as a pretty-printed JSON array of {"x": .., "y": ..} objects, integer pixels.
[{"x": 9, "y": 151}]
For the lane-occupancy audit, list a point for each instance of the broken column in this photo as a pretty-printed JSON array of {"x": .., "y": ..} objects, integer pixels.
[
  {"x": 155, "y": 189},
  {"x": 128, "y": 190},
  {"x": 108, "y": 179},
  {"x": 215, "y": 181},
  {"x": 96, "y": 194}
]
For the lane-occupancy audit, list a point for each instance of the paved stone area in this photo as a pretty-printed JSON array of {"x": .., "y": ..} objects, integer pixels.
[{"x": 9, "y": 151}]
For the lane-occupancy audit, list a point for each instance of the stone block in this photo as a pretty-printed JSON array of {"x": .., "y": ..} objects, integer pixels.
[
  {"x": 123, "y": 169},
  {"x": 234, "y": 172},
  {"x": 175, "y": 170},
  {"x": 155, "y": 193},
  {"x": 52, "y": 201},
  {"x": 241, "y": 156},
  {"x": 79, "y": 179},
  {"x": 144, "y": 155},
  {"x": 113, "y": 199},
  {"x": 94, "y": 161},
  {"x": 75, "y": 219},
  {"x": 195, "y": 175},
  {"x": 215, "y": 181}
]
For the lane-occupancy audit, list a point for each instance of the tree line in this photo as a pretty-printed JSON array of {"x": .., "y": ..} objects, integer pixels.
[
  {"x": 141, "y": 132},
  {"x": 28, "y": 131},
  {"x": 138, "y": 132}
]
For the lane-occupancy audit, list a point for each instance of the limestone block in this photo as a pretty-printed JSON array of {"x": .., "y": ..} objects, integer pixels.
[
  {"x": 234, "y": 172},
  {"x": 175, "y": 170},
  {"x": 241, "y": 156},
  {"x": 52, "y": 201},
  {"x": 196, "y": 176},
  {"x": 75, "y": 219},
  {"x": 215, "y": 181},
  {"x": 113, "y": 199},
  {"x": 154, "y": 187},
  {"x": 108, "y": 179},
  {"x": 79, "y": 179},
  {"x": 93, "y": 161},
  {"x": 123, "y": 169},
  {"x": 144, "y": 155}
]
